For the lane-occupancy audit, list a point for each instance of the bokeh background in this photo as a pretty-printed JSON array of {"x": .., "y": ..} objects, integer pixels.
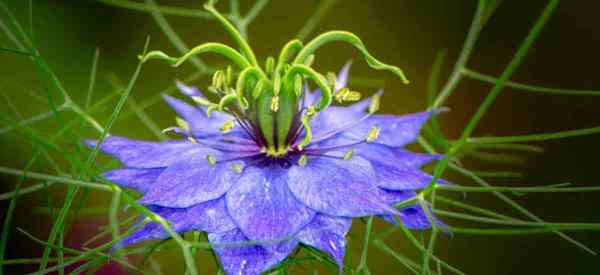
[{"x": 402, "y": 32}]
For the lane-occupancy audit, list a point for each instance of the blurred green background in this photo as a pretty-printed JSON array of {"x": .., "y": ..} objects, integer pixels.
[{"x": 401, "y": 32}]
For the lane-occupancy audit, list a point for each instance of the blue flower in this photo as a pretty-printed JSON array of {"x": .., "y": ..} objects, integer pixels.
[
  {"x": 226, "y": 179},
  {"x": 272, "y": 164}
]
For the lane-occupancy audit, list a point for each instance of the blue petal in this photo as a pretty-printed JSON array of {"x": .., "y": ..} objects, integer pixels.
[
  {"x": 210, "y": 216},
  {"x": 239, "y": 258},
  {"x": 138, "y": 179},
  {"x": 363, "y": 105},
  {"x": 146, "y": 154},
  {"x": 200, "y": 124},
  {"x": 395, "y": 131},
  {"x": 333, "y": 118},
  {"x": 342, "y": 77},
  {"x": 190, "y": 91},
  {"x": 327, "y": 234},
  {"x": 312, "y": 98},
  {"x": 264, "y": 208},
  {"x": 386, "y": 156},
  {"x": 192, "y": 181},
  {"x": 413, "y": 216},
  {"x": 337, "y": 187}
]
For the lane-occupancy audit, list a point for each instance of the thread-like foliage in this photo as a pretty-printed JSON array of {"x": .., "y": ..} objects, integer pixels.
[{"x": 81, "y": 173}]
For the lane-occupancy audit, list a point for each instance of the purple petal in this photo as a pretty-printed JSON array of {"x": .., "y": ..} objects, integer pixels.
[
  {"x": 192, "y": 181},
  {"x": 263, "y": 207},
  {"x": 188, "y": 90},
  {"x": 200, "y": 124},
  {"x": 209, "y": 216},
  {"x": 327, "y": 234},
  {"x": 337, "y": 187},
  {"x": 413, "y": 217},
  {"x": 146, "y": 154},
  {"x": 342, "y": 77},
  {"x": 363, "y": 105},
  {"x": 138, "y": 179},
  {"x": 236, "y": 257},
  {"x": 391, "y": 197},
  {"x": 333, "y": 118},
  {"x": 395, "y": 131}
]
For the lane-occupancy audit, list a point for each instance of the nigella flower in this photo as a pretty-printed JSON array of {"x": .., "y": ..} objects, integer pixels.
[{"x": 272, "y": 163}]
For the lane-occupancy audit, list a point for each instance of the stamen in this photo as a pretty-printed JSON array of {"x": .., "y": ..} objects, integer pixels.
[
  {"x": 349, "y": 154},
  {"x": 182, "y": 123},
  {"x": 275, "y": 104},
  {"x": 227, "y": 126},
  {"x": 346, "y": 95},
  {"x": 202, "y": 101},
  {"x": 308, "y": 134},
  {"x": 374, "y": 104},
  {"x": 236, "y": 168},
  {"x": 211, "y": 160},
  {"x": 373, "y": 134},
  {"x": 302, "y": 161},
  {"x": 192, "y": 140}
]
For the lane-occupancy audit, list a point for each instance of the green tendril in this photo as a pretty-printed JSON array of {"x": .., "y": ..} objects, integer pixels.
[
  {"x": 290, "y": 48},
  {"x": 317, "y": 78},
  {"x": 348, "y": 37},
  {"x": 308, "y": 136},
  {"x": 217, "y": 48},
  {"x": 235, "y": 34},
  {"x": 226, "y": 100},
  {"x": 243, "y": 78}
]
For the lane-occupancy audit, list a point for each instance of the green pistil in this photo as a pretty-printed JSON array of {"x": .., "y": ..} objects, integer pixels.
[{"x": 267, "y": 101}]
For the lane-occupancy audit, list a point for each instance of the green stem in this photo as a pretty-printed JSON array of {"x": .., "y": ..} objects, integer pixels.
[
  {"x": 534, "y": 137},
  {"x": 528, "y": 88},
  {"x": 463, "y": 58}
]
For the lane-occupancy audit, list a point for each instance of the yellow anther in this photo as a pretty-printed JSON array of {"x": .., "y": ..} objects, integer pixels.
[
  {"x": 311, "y": 111},
  {"x": 345, "y": 94},
  {"x": 349, "y": 154},
  {"x": 192, "y": 140},
  {"x": 373, "y": 134},
  {"x": 227, "y": 126},
  {"x": 374, "y": 104},
  {"x": 236, "y": 168},
  {"x": 201, "y": 101},
  {"x": 181, "y": 123},
  {"x": 302, "y": 161},
  {"x": 275, "y": 103},
  {"x": 352, "y": 96},
  {"x": 211, "y": 160}
]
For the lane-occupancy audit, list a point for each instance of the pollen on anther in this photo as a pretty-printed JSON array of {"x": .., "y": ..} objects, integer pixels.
[
  {"x": 211, "y": 160},
  {"x": 373, "y": 134},
  {"x": 236, "y": 168},
  {"x": 302, "y": 161},
  {"x": 227, "y": 126},
  {"x": 348, "y": 155}
]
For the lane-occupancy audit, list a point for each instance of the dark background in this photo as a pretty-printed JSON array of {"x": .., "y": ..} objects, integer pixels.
[{"x": 406, "y": 33}]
